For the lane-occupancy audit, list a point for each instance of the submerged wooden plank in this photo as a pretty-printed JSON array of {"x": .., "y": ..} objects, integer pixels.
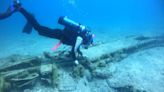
[
  {"x": 14, "y": 73},
  {"x": 104, "y": 51},
  {"x": 22, "y": 63}
]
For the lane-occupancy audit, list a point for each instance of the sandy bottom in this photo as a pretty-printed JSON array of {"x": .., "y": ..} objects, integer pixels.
[{"x": 143, "y": 70}]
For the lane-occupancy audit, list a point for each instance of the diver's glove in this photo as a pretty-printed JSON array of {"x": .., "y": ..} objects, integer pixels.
[{"x": 76, "y": 62}]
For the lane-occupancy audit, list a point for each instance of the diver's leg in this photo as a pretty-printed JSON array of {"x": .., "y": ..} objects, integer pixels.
[
  {"x": 8, "y": 13},
  {"x": 13, "y": 8},
  {"x": 42, "y": 30}
]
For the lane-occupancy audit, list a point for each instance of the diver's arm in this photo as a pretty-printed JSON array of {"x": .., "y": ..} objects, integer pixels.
[{"x": 79, "y": 41}]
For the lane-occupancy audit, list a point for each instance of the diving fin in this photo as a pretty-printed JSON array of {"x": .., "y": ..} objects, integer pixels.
[{"x": 27, "y": 28}]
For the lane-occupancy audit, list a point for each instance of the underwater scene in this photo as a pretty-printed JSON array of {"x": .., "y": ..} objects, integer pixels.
[{"x": 81, "y": 46}]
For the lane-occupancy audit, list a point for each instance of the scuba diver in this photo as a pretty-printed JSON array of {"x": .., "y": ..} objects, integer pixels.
[{"x": 73, "y": 34}]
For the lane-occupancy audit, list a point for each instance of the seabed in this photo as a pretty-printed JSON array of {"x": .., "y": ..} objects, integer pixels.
[{"x": 134, "y": 66}]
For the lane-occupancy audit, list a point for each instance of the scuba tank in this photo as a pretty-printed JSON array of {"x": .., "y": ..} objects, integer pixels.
[{"x": 70, "y": 23}]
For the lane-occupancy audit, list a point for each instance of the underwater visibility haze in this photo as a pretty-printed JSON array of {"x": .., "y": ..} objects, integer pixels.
[{"x": 126, "y": 54}]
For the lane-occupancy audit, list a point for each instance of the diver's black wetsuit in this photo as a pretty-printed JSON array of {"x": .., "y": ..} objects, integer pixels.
[
  {"x": 42, "y": 30},
  {"x": 67, "y": 35}
]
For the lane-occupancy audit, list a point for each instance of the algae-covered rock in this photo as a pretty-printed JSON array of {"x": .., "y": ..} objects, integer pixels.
[
  {"x": 101, "y": 64},
  {"x": 78, "y": 71},
  {"x": 127, "y": 88},
  {"x": 47, "y": 55},
  {"x": 102, "y": 74},
  {"x": 55, "y": 75},
  {"x": 3, "y": 84},
  {"x": 88, "y": 75},
  {"x": 93, "y": 66}
]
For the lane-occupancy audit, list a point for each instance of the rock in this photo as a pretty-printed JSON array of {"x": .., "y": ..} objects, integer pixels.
[
  {"x": 78, "y": 71},
  {"x": 67, "y": 83},
  {"x": 101, "y": 63},
  {"x": 102, "y": 74},
  {"x": 46, "y": 69},
  {"x": 46, "y": 72},
  {"x": 88, "y": 75},
  {"x": 23, "y": 82},
  {"x": 92, "y": 66},
  {"x": 22, "y": 64},
  {"x": 140, "y": 70},
  {"x": 67, "y": 88},
  {"x": 127, "y": 89},
  {"x": 82, "y": 85},
  {"x": 124, "y": 55},
  {"x": 47, "y": 55},
  {"x": 27, "y": 90},
  {"x": 99, "y": 86},
  {"x": 55, "y": 75},
  {"x": 142, "y": 38},
  {"x": 41, "y": 88},
  {"x": 2, "y": 84}
]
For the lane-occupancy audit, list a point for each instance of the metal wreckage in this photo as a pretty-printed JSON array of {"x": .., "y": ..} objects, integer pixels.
[{"x": 20, "y": 72}]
